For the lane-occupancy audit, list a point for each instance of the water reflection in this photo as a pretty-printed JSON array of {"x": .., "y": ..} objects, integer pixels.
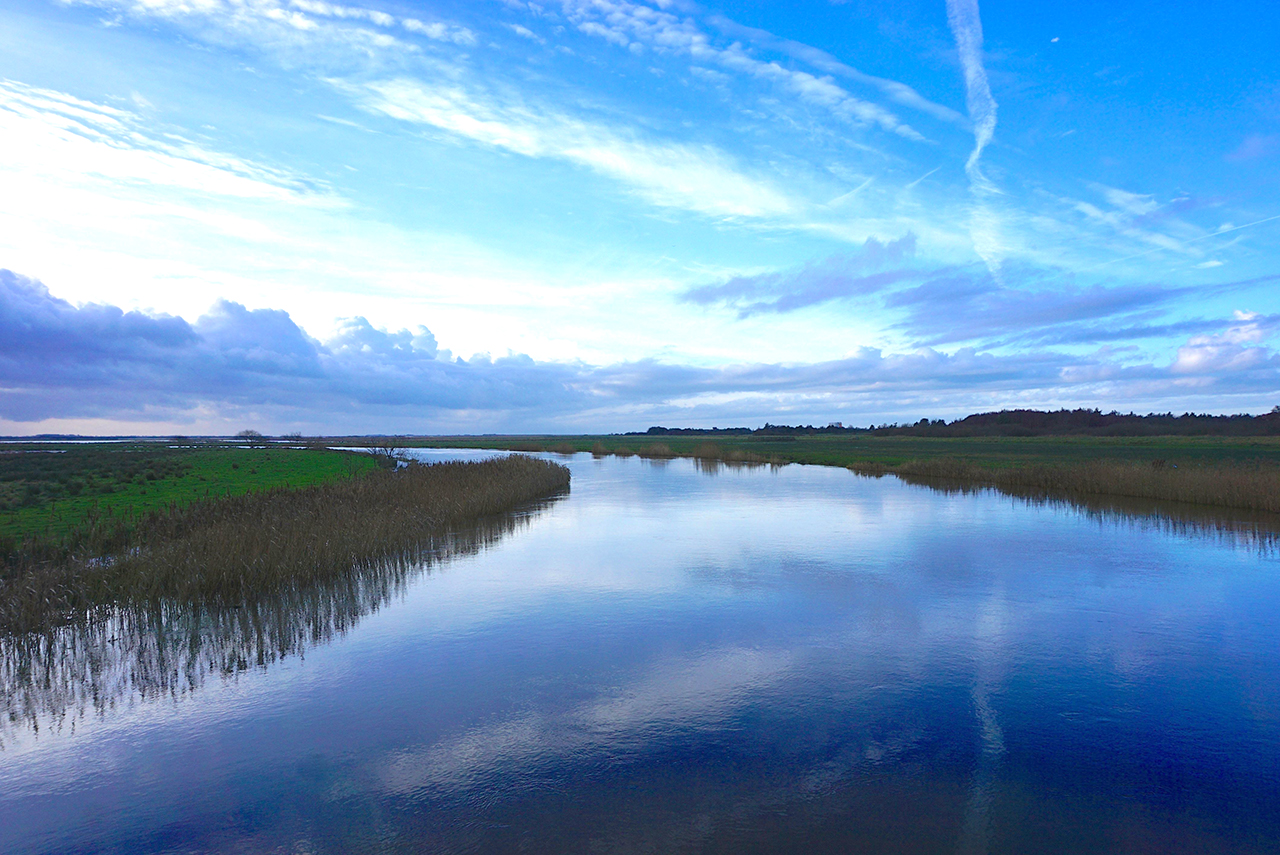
[
  {"x": 789, "y": 660},
  {"x": 1230, "y": 526},
  {"x": 169, "y": 649}
]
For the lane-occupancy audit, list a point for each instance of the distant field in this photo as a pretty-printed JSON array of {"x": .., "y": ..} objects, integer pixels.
[
  {"x": 891, "y": 451},
  {"x": 49, "y": 490}
]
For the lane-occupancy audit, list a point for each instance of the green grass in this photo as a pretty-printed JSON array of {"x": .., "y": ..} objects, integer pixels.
[{"x": 51, "y": 491}]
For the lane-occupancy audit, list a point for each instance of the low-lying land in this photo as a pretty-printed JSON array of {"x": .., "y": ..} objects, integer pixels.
[
  {"x": 59, "y": 494},
  {"x": 1218, "y": 471},
  {"x": 227, "y": 550}
]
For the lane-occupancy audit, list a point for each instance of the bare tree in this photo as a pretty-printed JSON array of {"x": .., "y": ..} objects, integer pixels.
[
  {"x": 251, "y": 438},
  {"x": 386, "y": 448}
]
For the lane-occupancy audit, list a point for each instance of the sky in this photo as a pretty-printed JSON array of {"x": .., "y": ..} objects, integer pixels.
[{"x": 599, "y": 215}]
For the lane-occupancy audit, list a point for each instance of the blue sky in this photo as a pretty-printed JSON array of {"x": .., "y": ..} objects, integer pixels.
[{"x": 599, "y": 215}]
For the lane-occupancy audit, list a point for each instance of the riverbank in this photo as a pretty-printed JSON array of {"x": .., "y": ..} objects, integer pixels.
[
  {"x": 1221, "y": 472},
  {"x": 230, "y": 550}
]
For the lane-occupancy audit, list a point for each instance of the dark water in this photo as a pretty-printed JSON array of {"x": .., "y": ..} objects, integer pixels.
[{"x": 671, "y": 659}]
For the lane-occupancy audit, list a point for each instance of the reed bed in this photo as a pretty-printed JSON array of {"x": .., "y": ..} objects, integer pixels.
[
  {"x": 1251, "y": 488},
  {"x": 144, "y": 651},
  {"x": 232, "y": 550}
]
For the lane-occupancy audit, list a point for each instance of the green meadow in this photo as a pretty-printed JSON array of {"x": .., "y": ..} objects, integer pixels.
[{"x": 51, "y": 490}]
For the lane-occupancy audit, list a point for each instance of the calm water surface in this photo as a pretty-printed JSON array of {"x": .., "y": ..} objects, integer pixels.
[{"x": 671, "y": 659}]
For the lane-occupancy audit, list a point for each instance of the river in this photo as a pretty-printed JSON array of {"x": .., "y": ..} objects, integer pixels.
[{"x": 680, "y": 657}]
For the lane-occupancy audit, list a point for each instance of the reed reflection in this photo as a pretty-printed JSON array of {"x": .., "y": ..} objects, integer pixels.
[
  {"x": 1229, "y": 526},
  {"x": 169, "y": 648}
]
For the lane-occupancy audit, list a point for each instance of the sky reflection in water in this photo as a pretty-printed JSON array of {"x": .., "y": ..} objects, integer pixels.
[{"x": 744, "y": 660}]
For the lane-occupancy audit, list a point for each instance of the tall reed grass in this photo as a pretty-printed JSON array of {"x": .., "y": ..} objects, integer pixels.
[
  {"x": 144, "y": 651},
  {"x": 231, "y": 550},
  {"x": 1249, "y": 488}
]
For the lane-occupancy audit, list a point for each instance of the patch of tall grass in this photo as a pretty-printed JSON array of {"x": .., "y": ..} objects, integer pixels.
[
  {"x": 143, "y": 651},
  {"x": 231, "y": 550},
  {"x": 1249, "y": 488}
]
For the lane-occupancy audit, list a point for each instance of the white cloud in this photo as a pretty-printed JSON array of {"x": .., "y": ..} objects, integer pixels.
[
  {"x": 692, "y": 177},
  {"x": 984, "y": 225},
  {"x": 1236, "y": 349},
  {"x": 54, "y": 135},
  {"x": 622, "y": 23},
  {"x": 440, "y": 31}
]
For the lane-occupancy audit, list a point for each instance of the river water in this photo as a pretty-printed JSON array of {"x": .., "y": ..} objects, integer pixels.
[{"x": 679, "y": 658}]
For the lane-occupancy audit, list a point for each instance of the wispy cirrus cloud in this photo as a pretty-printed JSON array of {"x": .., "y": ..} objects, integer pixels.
[
  {"x": 896, "y": 91},
  {"x": 628, "y": 24},
  {"x": 56, "y": 135},
  {"x": 691, "y": 177}
]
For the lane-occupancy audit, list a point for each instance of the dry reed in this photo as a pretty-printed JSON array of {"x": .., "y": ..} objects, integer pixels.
[
  {"x": 1254, "y": 488},
  {"x": 148, "y": 650},
  {"x": 230, "y": 550}
]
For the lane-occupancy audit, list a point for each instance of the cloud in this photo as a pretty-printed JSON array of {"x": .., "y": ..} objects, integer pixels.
[
  {"x": 1237, "y": 349},
  {"x": 966, "y": 26},
  {"x": 50, "y": 134},
  {"x": 692, "y": 177},
  {"x": 626, "y": 24},
  {"x": 958, "y": 305},
  {"x": 849, "y": 274},
  {"x": 59, "y": 360},
  {"x": 96, "y": 362},
  {"x": 820, "y": 59}
]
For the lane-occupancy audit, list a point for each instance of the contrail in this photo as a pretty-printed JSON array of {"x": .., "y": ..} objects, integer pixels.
[
  {"x": 966, "y": 26},
  {"x": 923, "y": 177},
  {"x": 1192, "y": 240}
]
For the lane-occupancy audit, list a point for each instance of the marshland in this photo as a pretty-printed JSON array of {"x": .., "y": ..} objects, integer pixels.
[
  {"x": 703, "y": 643},
  {"x": 1241, "y": 473},
  {"x": 696, "y": 653},
  {"x": 224, "y": 526}
]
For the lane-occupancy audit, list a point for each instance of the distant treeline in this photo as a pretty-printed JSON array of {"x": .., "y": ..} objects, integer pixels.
[{"x": 1078, "y": 422}]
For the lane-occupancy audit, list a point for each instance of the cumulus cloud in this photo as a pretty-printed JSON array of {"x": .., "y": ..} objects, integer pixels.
[
  {"x": 61, "y": 361},
  {"x": 1236, "y": 349}
]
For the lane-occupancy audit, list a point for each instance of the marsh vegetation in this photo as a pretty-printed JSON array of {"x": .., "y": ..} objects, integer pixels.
[
  {"x": 168, "y": 647},
  {"x": 1214, "y": 471},
  {"x": 231, "y": 550}
]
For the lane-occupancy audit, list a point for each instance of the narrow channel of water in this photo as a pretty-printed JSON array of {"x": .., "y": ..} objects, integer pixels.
[{"x": 686, "y": 658}]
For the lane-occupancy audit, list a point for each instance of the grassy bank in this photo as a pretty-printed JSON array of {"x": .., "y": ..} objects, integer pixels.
[
  {"x": 57, "y": 499},
  {"x": 234, "y": 549},
  {"x": 1225, "y": 472}
]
